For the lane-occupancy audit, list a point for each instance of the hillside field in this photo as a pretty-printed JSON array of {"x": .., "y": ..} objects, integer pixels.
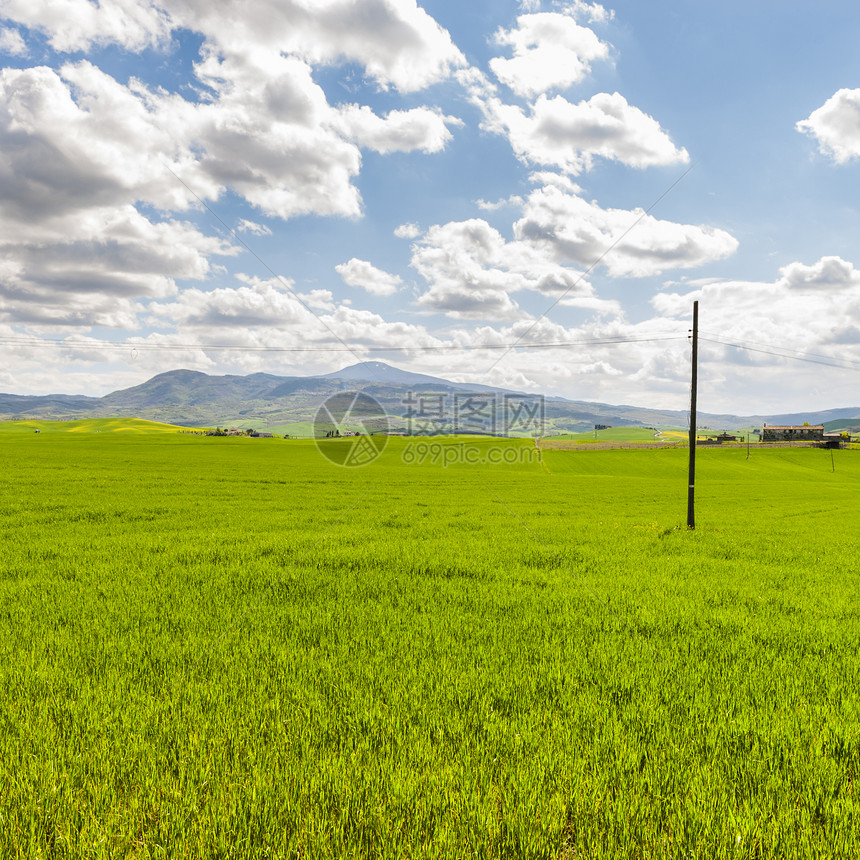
[
  {"x": 210, "y": 648},
  {"x": 88, "y": 425}
]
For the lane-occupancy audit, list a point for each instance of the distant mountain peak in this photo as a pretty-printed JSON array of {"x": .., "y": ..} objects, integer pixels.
[
  {"x": 366, "y": 370},
  {"x": 380, "y": 372}
]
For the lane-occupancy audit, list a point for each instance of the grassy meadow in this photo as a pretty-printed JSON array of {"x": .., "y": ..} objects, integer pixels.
[
  {"x": 218, "y": 647},
  {"x": 87, "y": 426}
]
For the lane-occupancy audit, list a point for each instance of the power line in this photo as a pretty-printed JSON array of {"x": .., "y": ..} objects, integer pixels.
[
  {"x": 150, "y": 347},
  {"x": 784, "y": 352},
  {"x": 764, "y": 349}
]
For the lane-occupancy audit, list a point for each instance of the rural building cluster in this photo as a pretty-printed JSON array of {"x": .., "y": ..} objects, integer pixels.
[{"x": 793, "y": 433}]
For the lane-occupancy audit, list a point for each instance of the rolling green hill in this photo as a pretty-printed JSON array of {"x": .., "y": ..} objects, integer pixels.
[
  {"x": 263, "y": 401},
  {"x": 89, "y": 425}
]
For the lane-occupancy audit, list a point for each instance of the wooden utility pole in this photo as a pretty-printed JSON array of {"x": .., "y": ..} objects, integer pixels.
[{"x": 691, "y": 482}]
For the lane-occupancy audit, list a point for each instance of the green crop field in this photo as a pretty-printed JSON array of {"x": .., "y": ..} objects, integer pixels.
[
  {"x": 217, "y": 647},
  {"x": 88, "y": 425},
  {"x": 611, "y": 434}
]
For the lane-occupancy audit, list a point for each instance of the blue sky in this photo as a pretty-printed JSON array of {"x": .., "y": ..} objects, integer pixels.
[{"x": 292, "y": 186}]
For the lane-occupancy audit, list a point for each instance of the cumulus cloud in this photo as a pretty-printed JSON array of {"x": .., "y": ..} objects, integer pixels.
[
  {"x": 492, "y": 206},
  {"x": 593, "y": 12},
  {"x": 257, "y": 304},
  {"x": 265, "y": 313},
  {"x": 360, "y": 273},
  {"x": 407, "y": 231},
  {"x": 460, "y": 262},
  {"x": 75, "y": 139},
  {"x": 77, "y": 149},
  {"x": 570, "y": 136},
  {"x": 78, "y": 144},
  {"x": 828, "y": 274},
  {"x": 808, "y": 308},
  {"x": 76, "y": 25},
  {"x": 769, "y": 320},
  {"x": 94, "y": 267},
  {"x": 268, "y": 135},
  {"x": 246, "y": 226},
  {"x": 836, "y": 126},
  {"x": 396, "y": 41},
  {"x": 422, "y": 129},
  {"x": 551, "y": 51},
  {"x": 84, "y": 153},
  {"x": 472, "y": 271},
  {"x": 627, "y": 243},
  {"x": 12, "y": 43}
]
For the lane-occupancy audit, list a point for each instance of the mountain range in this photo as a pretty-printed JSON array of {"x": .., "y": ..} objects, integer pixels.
[{"x": 194, "y": 399}]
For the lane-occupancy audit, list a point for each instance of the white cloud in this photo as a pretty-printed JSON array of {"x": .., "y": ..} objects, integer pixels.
[
  {"x": 12, "y": 43},
  {"x": 76, "y": 25},
  {"x": 574, "y": 230},
  {"x": 268, "y": 132},
  {"x": 475, "y": 302},
  {"x": 828, "y": 274},
  {"x": 836, "y": 126},
  {"x": 422, "y": 129},
  {"x": 492, "y": 206},
  {"x": 93, "y": 267},
  {"x": 809, "y": 308},
  {"x": 269, "y": 136},
  {"x": 256, "y": 304},
  {"x": 593, "y": 12},
  {"x": 775, "y": 323},
  {"x": 246, "y": 226},
  {"x": 471, "y": 272},
  {"x": 76, "y": 139},
  {"x": 570, "y": 136},
  {"x": 319, "y": 300},
  {"x": 465, "y": 266},
  {"x": 407, "y": 231},
  {"x": 78, "y": 147},
  {"x": 360, "y": 273},
  {"x": 81, "y": 150},
  {"x": 265, "y": 313},
  {"x": 396, "y": 41},
  {"x": 551, "y": 51},
  {"x": 557, "y": 180},
  {"x": 265, "y": 129}
]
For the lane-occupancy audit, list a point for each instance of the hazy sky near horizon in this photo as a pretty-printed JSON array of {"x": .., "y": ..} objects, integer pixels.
[{"x": 292, "y": 186}]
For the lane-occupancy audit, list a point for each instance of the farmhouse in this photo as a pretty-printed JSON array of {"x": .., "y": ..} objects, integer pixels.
[
  {"x": 792, "y": 433},
  {"x": 727, "y": 437}
]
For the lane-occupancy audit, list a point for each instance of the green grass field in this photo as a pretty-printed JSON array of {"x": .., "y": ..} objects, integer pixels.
[
  {"x": 210, "y": 648},
  {"x": 88, "y": 425},
  {"x": 612, "y": 434}
]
